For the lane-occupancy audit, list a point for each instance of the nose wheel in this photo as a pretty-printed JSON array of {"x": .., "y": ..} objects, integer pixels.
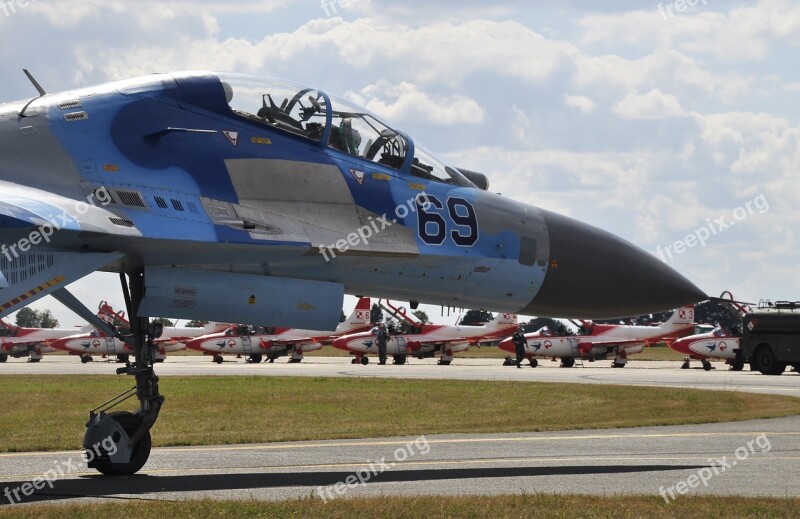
[
  {"x": 101, "y": 454},
  {"x": 118, "y": 443}
]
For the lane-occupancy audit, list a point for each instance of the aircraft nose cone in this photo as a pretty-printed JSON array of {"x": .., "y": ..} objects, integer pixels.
[
  {"x": 680, "y": 346},
  {"x": 505, "y": 345},
  {"x": 596, "y": 275},
  {"x": 58, "y": 344},
  {"x": 340, "y": 343},
  {"x": 195, "y": 344}
]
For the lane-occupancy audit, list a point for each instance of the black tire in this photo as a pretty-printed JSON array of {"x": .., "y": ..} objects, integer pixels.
[
  {"x": 707, "y": 365},
  {"x": 364, "y": 360},
  {"x": 685, "y": 364},
  {"x": 122, "y": 358},
  {"x": 444, "y": 362},
  {"x": 399, "y": 359},
  {"x": 141, "y": 450},
  {"x": 34, "y": 360},
  {"x": 218, "y": 359},
  {"x": 737, "y": 365},
  {"x": 255, "y": 358},
  {"x": 85, "y": 358},
  {"x": 534, "y": 363},
  {"x": 3, "y": 357},
  {"x": 765, "y": 362},
  {"x": 617, "y": 365},
  {"x": 567, "y": 362}
]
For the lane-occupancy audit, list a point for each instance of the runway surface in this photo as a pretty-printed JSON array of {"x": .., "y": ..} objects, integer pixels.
[
  {"x": 647, "y": 373},
  {"x": 652, "y": 460},
  {"x": 743, "y": 458}
]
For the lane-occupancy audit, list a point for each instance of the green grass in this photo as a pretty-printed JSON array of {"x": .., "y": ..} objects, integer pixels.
[
  {"x": 500, "y": 507},
  {"x": 49, "y": 412}
]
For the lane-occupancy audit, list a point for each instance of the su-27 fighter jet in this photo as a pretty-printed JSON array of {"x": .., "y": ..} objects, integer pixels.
[
  {"x": 425, "y": 340},
  {"x": 231, "y": 198},
  {"x": 256, "y": 341},
  {"x": 18, "y": 341},
  {"x": 598, "y": 341}
]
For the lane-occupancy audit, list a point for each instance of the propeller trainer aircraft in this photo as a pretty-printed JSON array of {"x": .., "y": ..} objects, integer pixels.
[{"x": 231, "y": 198}]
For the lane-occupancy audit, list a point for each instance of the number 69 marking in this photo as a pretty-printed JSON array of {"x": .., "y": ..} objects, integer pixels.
[{"x": 433, "y": 226}]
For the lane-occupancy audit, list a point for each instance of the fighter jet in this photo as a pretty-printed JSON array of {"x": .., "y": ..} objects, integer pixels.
[
  {"x": 232, "y": 198},
  {"x": 425, "y": 340},
  {"x": 598, "y": 341},
  {"x": 258, "y": 341}
]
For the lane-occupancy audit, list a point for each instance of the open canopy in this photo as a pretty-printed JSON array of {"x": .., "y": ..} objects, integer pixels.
[{"x": 335, "y": 123}]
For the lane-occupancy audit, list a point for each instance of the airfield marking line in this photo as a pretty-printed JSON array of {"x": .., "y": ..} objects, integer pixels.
[{"x": 346, "y": 443}]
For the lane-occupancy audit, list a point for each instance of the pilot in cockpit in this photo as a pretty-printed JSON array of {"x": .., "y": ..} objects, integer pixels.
[{"x": 345, "y": 137}]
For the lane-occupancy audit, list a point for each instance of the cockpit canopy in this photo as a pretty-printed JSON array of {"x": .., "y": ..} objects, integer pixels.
[{"x": 339, "y": 124}]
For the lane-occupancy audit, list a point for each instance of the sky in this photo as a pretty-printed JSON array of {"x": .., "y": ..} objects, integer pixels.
[{"x": 675, "y": 125}]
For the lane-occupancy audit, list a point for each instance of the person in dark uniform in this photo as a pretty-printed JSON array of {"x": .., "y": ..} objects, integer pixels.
[
  {"x": 520, "y": 342},
  {"x": 382, "y": 338}
]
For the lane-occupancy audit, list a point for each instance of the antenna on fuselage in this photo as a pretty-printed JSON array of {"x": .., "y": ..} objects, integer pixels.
[{"x": 38, "y": 88}]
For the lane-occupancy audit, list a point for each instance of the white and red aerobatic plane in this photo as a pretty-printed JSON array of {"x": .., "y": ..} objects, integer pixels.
[
  {"x": 257, "y": 342},
  {"x": 427, "y": 339},
  {"x": 601, "y": 340}
]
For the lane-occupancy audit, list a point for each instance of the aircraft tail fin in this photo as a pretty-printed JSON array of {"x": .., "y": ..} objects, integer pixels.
[
  {"x": 502, "y": 320},
  {"x": 359, "y": 318},
  {"x": 684, "y": 315}
]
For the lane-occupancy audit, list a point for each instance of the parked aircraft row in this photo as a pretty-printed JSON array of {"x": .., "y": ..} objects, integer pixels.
[{"x": 356, "y": 335}]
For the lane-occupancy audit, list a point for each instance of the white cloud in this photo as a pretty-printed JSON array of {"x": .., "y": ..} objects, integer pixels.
[
  {"x": 653, "y": 105},
  {"x": 718, "y": 82},
  {"x": 405, "y": 102},
  {"x": 581, "y": 103},
  {"x": 740, "y": 34}
]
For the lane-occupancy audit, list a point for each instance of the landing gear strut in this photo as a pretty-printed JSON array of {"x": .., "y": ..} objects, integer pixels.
[{"x": 118, "y": 443}]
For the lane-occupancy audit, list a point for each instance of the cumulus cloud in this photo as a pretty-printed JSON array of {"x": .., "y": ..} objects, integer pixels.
[
  {"x": 653, "y": 105},
  {"x": 581, "y": 103},
  {"x": 512, "y": 85},
  {"x": 405, "y": 102}
]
